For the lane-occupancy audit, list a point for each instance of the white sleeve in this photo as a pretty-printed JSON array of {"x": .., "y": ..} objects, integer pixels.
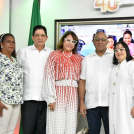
[
  {"x": 19, "y": 54},
  {"x": 132, "y": 76},
  {"x": 83, "y": 69},
  {"x": 49, "y": 92}
]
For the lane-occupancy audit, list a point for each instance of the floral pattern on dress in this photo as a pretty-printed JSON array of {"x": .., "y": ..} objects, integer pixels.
[{"x": 11, "y": 81}]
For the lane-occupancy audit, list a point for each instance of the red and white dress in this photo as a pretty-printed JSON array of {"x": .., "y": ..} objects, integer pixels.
[{"x": 61, "y": 76}]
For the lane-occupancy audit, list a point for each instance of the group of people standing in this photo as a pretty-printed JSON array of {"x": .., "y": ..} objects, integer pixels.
[{"x": 47, "y": 84}]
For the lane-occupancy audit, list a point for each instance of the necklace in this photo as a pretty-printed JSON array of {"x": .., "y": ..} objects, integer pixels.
[{"x": 68, "y": 56}]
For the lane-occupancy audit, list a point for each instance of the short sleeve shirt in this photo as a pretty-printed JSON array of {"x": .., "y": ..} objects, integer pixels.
[{"x": 96, "y": 71}]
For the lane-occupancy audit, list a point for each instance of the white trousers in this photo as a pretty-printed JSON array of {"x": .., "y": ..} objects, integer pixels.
[
  {"x": 9, "y": 119},
  {"x": 63, "y": 119}
]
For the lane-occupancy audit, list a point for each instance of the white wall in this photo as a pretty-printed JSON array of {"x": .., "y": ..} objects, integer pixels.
[
  {"x": 4, "y": 16},
  {"x": 21, "y": 19}
]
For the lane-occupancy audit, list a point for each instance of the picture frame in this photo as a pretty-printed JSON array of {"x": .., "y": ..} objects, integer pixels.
[{"x": 90, "y": 22}]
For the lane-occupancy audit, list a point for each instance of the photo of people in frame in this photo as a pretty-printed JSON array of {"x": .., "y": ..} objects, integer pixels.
[{"x": 115, "y": 33}]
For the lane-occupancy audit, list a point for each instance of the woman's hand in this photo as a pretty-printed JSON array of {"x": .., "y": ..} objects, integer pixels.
[
  {"x": 51, "y": 106},
  {"x": 2, "y": 106},
  {"x": 132, "y": 112}
]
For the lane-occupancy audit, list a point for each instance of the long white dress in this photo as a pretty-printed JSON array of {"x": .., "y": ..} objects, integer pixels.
[
  {"x": 121, "y": 98},
  {"x": 60, "y": 86}
]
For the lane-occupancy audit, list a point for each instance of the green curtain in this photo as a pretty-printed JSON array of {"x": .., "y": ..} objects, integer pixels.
[{"x": 35, "y": 20}]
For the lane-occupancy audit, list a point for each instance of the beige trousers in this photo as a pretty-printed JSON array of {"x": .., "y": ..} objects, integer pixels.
[{"x": 9, "y": 119}]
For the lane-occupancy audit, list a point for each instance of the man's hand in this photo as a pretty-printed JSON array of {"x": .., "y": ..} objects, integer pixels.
[
  {"x": 2, "y": 106},
  {"x": 132, "y": 112},
  {"x": 83, "y": 111},
  {"x": 51, "y": 106}
]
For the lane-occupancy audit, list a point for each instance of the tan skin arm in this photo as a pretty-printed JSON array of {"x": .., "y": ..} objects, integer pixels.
[
  {"x": 81, "y": 90},
  {"x": 2, "y": 106},
  {"x": 132, "y": 112}
]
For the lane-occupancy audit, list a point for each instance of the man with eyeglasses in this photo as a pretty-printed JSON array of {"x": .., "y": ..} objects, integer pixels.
[
  {"x": 94, "y": 85},
  {"x": 32, "y": 60}
]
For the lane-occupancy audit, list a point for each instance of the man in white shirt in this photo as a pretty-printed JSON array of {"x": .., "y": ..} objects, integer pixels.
[
  {"x": 94, "y": 85},
  {"x": 32, "y": 59}
]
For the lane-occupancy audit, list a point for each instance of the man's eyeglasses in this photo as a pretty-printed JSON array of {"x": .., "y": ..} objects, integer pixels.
[
  {"x": 102, "y": 39},
  {"x": 119, "y": 50},
  {"x": 38, "y": 35},
  {"x": 70, "y": 41}
]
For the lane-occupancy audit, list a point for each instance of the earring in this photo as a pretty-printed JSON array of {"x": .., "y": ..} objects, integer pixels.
[{"x": 1, "y": 46}]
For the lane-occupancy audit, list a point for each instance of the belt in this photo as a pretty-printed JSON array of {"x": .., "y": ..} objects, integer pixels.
[{"x": 69, "y": 83}]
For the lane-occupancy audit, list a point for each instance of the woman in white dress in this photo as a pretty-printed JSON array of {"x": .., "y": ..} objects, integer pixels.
[{"x": 121, "y": 103}]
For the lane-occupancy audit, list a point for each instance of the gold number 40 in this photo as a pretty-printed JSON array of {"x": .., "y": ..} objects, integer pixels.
[{"x": 107, "y": 5}]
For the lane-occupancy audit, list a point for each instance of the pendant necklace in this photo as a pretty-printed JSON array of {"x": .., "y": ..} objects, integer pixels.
[{"x": 68, "y": 56}]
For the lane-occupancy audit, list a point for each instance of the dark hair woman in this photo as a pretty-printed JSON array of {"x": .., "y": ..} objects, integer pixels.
[
  {"x": 61, "y": 76},
  {"x": 11, "y": 77},
  {"x": 127, "y": 37},
  {"x": 121, "y": 100}
]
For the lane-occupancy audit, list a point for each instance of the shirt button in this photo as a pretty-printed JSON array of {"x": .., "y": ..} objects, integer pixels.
[
  {"x": 113, "y": 93},
  {"x": 114, "y": 83}
]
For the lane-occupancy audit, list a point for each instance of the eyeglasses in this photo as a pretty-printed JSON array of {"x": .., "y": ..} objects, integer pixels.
[
  {"x": 38, "y": 35},
  {"x": 119, "y": 50},
  {"x": 70, "y": 41},
  {"x": 102, "y": 39}
]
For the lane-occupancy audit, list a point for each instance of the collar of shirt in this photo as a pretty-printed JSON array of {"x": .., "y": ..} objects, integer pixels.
[
  {"x": 5, "y": 57},
  {"x": 122, "y": 63},
  {"x": 107, "y": 52},
  {"x": 34, "y": 48}
]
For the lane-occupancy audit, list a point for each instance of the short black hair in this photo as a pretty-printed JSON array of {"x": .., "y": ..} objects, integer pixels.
[
  {"x": 127, "y": 31},
  {"x": 2, "y": 38},
  {"x": 39, "y": 27},
  {"x": 128, "y": 58},
  {"x": 100, "y": 30}
]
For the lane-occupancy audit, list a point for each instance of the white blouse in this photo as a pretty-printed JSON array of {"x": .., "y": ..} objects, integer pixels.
[{"x": 121, "y": 98}]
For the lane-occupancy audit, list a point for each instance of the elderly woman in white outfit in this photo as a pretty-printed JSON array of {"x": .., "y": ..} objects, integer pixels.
[{"x": 121, "y": 103}]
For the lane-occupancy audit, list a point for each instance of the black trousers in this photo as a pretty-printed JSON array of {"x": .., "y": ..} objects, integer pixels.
[
  {"x": 33, "y": 117},
  {"x": 94, "y": 117}
]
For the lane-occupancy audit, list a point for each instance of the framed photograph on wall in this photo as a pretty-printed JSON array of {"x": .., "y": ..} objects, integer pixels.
[{"x": 85, "y": 29}]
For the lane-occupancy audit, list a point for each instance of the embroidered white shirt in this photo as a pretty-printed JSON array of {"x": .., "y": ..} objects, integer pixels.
[
  {"x": 33, "y": 62},
  {"x": 96, "y": 71}
]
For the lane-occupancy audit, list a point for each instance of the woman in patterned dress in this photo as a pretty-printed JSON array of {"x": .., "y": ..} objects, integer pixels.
[
  {"x": 61, "y": 76},
  {"x": 10, "y": 85}
]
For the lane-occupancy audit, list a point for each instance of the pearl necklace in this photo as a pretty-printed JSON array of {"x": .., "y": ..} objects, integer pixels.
[{"x": 68, "y": 56}]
